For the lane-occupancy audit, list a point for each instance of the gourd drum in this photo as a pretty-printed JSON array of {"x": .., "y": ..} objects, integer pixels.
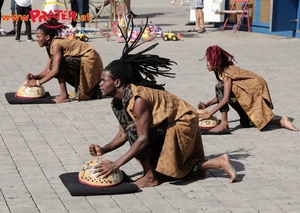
[
  {"x": 30, "y": 92},
  {"x": 207, "y": 124},
  {"x": 88, "y": 177}
]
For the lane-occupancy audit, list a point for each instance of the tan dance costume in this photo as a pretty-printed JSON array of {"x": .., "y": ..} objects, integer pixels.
[
  {"x": 81, "y": 66},
  {"x": 175, "y": 137},
  {"x": 252, "y": 93}
]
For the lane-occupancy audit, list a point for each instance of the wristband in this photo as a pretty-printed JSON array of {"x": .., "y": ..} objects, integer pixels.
[{"x": 37, "y": 83}]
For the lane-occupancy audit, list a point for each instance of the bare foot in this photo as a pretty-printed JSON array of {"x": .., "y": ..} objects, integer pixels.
[
  {"x": 172, "y": 2},
  {"x": 286, "y": 123},
  {"x": 60, "y": 99},
  {"x": 228, "y": 168},
  {"x": 220, "y": 127},
  {"x": 146, "y": 182}
]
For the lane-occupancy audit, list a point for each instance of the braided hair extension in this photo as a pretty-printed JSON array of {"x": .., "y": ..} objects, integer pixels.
[
  {"x": 218, "y": 58},
  {"x": 140, "y": 68}
]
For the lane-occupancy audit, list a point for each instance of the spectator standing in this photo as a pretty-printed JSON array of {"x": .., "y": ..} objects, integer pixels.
[
  {"x": 23, "y": 8},
  {"x": 13, "y": 13},
  {"x": 81, "y": 7},
  {"x": 198, "y": 6}
]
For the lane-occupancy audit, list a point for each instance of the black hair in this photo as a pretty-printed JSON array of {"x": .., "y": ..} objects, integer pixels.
[
  {"x": 52, "y": 27},
  {"x": 140, "y": 68}
]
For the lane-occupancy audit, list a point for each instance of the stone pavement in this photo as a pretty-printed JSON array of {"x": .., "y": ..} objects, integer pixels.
[{"x": 40, "y": 142}]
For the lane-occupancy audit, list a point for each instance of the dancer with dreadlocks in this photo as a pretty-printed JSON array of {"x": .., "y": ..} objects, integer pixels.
[
  {"x": 71, "y": 61},
  {"x": 161, "y": 128},
  {"x": 243, "y": 90}
]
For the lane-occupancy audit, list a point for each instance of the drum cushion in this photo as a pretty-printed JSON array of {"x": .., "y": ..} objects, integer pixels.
[
  {"x": 75, "y": 188},
  {"x": 13, "y": 99}
]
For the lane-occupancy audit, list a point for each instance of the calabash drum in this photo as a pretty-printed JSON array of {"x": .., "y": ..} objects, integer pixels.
[
  {"x": 88, "y": 177},
  {"x": 207, "y": 124},
  {"x": 30, "y": 92}
]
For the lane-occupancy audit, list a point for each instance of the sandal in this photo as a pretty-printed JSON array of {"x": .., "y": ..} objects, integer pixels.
[
  {"x": 201, "y": 30},
  {"x": 193, "y": 30}
]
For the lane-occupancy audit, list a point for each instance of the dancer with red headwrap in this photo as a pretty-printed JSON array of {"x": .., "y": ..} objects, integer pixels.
[{"x": 243, "y": 90}]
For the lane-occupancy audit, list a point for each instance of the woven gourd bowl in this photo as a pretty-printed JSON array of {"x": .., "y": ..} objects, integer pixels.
[
  {"x": 30, "y": 92},
  {"x": 88, "y": 177},
  {"x": 207, "y": 124}
]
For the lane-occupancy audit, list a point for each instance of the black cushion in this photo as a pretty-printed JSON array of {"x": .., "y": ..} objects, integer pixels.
[
  {"x": 70, "y": 180},
  {"x": 12, "y": 99}
]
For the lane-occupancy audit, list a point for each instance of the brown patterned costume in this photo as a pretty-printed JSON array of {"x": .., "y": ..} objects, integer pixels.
[
  {"x": 250, "y": 96},
  {"x": 81, "y": 67},
  {"x": 175, "y": 139}
]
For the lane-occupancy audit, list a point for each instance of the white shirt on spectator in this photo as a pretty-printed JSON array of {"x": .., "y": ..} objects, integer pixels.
[{"x": 24, "y": 3}]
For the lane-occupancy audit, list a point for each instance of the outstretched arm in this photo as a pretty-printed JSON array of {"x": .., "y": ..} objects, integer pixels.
[
  {"x": 226, "y": 97},
  {"x": 47, "y": 74},
  {"x": 119, "y": 140},
  {"x": 227, "y": 89},
  {"x": 202, "y": 105}
]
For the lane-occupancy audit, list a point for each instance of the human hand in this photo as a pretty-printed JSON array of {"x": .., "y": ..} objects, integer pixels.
[
  {"x": 31, "y": 83},
  {"x": 105, "y": 168},
  {"x": 204, "y": 116},
  {"x": 96, "y": 150},
  {"x": 201, "y": 105},
  {"x": 29, "y": 76}
]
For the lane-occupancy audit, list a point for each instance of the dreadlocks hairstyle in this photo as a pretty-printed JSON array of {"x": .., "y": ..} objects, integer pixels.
[
  {"x": 140, "y": 68},
  {"x": 218, "y": 58},
  {"x": 52, "y": 28}
]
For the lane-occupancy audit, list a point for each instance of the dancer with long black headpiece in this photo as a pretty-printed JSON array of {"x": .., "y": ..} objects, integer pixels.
[{"x": 161, "y": 128}]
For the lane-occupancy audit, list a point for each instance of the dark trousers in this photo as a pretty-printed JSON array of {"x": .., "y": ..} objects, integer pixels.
[
  {"x": 69, "y": 70},
  {"x": 23, "y": 11},
  {"x": 1, "y": 4},
  {"x": 245, "y": 121},
  {"x": 81, "y": 7}
]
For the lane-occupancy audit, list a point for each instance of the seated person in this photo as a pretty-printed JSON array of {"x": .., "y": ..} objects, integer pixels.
[
  {"x": 161, "y": 128},
  {"x": 245, "y": 91},
  {"x": 71, "y": 61}
]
